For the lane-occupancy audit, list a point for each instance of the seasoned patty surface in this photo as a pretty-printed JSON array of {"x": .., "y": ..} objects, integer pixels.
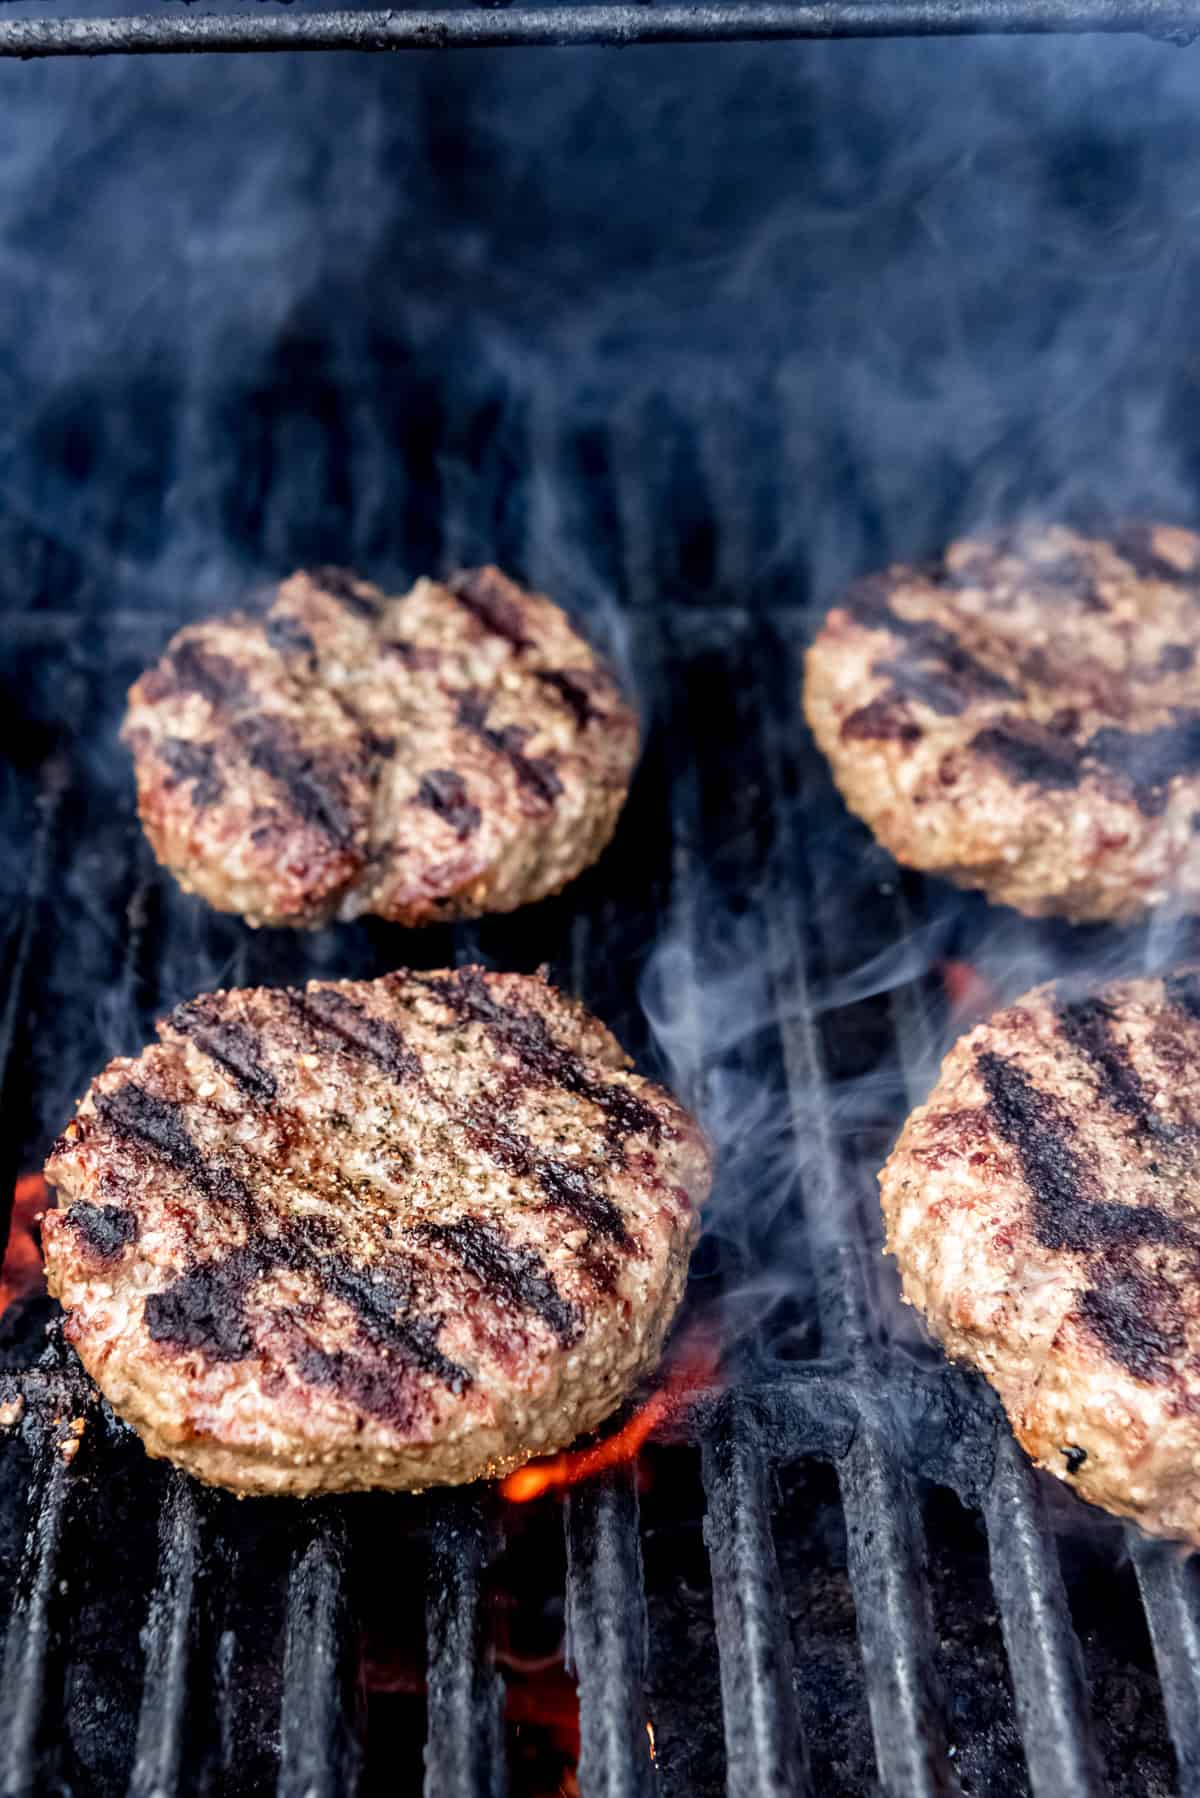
[
  {"x": 1024, "y": 716},
  {"x": 383, "y": 1233},
  {"x": 455, "y": 751},
  {"x": 1044, "y": 1207}
]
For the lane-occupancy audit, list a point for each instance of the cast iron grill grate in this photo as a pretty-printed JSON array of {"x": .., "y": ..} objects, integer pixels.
[{"x": 163, "y": 1639}]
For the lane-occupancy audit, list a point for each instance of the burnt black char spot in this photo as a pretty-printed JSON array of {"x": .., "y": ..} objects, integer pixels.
[
  {"x": 510, "y": 1276},
  {"x": 205, "y": 1308},
  {"x": 525, "y": 1035},
  {"x": 1133, "y": 1313},
  {"x": 157, "y": 1124},
  {"x": 381, "y": 1305},
  {"x": 1174, "y": 658},
  {"x": 288, "y": 636},
  {"x": 1087, "y": 1024},
  {"x": 884, "y": 720},
  {"x": 445, "y": 793},
  {"x": 538, "y": 773},
  {"x": 574, "y": 688},
  {"x": 1134, "y": 543},
  {"x": 313, "y": 782},
  {"x": 104, "y": 1229},
  {"x": 1074, "y": 1457},
  {"x": 934, "y": 668},
  {"x": 330, "y": 1014},
  {"x": 1030, "y": 752},
  {"x": 482, "y": 593},
  {"x": 194, "y": 762},
  {"x": 1147, "y": 759},
  {"x": 195, "y": 670},
  {"x": 235, "y": 1046},
  {"x": 1183, "y": 992},
  {"x": 341, "y": 585}
]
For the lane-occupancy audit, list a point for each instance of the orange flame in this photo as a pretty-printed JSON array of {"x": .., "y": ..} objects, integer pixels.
[
  {"x": 967, "y": 990},
  {"x": 21, "y": 1271},
  {"x": 695, "y": 1367}
]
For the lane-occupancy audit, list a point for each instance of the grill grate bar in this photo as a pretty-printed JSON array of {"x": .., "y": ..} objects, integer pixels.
[
  {"x": 464, "y": 1756},
  {"x": 319, "y": 1748},
  {"x": 27, "y": 1644},
  {"x": 1169, "y": 1579},
  {"x": 168, "y": 1636},
  {"x": 885, "y": 1557},
  {"x": 1043, "y": 1653},
  {"x": 606, "y": 1636},
  {"x": 764, "y": 1756}
]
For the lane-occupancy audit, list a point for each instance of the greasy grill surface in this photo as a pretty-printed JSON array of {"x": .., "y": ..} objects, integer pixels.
[{"x": 833, "y": 1574}]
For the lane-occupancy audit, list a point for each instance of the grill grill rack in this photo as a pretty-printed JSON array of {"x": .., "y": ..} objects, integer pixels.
[
  {"x": 841, "y": 1408},
  {"x": 611, "y": 22}
]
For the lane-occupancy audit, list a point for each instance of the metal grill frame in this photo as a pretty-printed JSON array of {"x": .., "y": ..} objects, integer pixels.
[
  {"x": 611, "y": 22},
  {"x": 839, "y": 1408}
]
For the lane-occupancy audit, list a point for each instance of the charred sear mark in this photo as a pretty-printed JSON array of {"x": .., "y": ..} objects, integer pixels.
[
  {"x": 379, "y": 748},
  {"x": 883, "y": 720},
  {"x": 1087, "y": 1024},
  {"x": 156, "y": 1124},
  {"x": 382, "y": 1308},
  {"x": 1073, "y": 1456},
  {"x": 205, "y": 1309},
  {"x": 342, "y": 585},
  {"x": 334, "y": 1018},
  {"x": 234, "y": 1046},
  {"x": 194, "y": 762},
  {"x": 288, "y": 636},
  {"x": 537, "y": 773},
  {"x": 524, "y": 1035},
  {"x": 1134, "y": 1314},
  {"x": 104, "y": 1229},
  {"x": 1182, "y": 991},
  {"x": 575, "y": 687},
  {"x": 934, "y": 667},
  {"x": 1030, "y": 753},
  {"x": 482, "y": 592},
  {"x": 215, "y": 678},
  {"x": 1149, "y": 759},
  {"x": 1067, "y": 576},
  {"x": 1134, "y": 543},
  {"x": 513, "y": 1277},
  {"x": 564, "y": 1186},
  {"x": 312, "y": 780},
  {"x": 445, "y": 793},
  {"x": 1175, "y": 658}
]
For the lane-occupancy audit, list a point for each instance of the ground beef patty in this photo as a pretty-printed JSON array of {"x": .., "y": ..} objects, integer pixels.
[
  {"x": 1024, "y": 717},
  {"x": 1044, "y": 1207},
  {"x": 381, "y": 1233},
  {"x": 456, "y": 751}
]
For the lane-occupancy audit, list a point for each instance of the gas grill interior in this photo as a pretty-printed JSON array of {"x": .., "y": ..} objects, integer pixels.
[{"x": 689, "y": 415}]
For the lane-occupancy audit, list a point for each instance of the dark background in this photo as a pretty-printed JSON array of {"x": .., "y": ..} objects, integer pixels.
[{"x": 713, "y": 323}]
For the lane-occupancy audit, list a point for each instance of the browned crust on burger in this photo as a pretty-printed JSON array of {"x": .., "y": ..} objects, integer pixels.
[
  {"x": 455, "y": 751},
  {"x": 1042, "y": 1206},
  {"x": 383, "y": 1233},
  {"x": 1024, "y": 717}
]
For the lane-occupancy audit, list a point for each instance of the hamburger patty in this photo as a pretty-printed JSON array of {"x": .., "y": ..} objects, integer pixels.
[
  {"x": 452, "y": 752},
  {"x": 1044, "y": 1207},
  {"x": 381, "y": 1233},
  {"x": 1024, "y": 717}
]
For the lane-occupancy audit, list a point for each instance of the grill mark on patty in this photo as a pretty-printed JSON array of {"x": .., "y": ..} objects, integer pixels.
[
  {"x": 104, "y": 1229},
  {"x": 526, "y": 1036},
  {"x": 288, "y": 636},
  {"x": 479, "y": 592},
  {"x": 157, "y": 1124},
  {"x": 328, "y": 1013},
  {"x": 883, "y": 720},
  {"x": 204, "y": 1309},
  {"x": 1174, "y": 658},
  {"x": 1148, "y": 759},
  {"x": 234, "y": 1046},
  {"x": 933, "y": 666},
  {"x": 513, "y": 1276},
  {"x": 1134, "y": 543},
  {"x": 444, "y": 791},
  {"x": 1030, "y": 753},
  {"x": 1087, "y": 1025},
  {"x": 1182, "y": 991},
  {"x": 340, "y": 584},
  {"x": 194, "y": 762},
  {"x": 564, "y": 1186},
  {"x": 190, "y": 669},
  {"x": 1137, "y": 1331},
  {"x": 574, "y": 687},
  {"x": 313, "y": 783},
  {"x": 537, "y": 772}
]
